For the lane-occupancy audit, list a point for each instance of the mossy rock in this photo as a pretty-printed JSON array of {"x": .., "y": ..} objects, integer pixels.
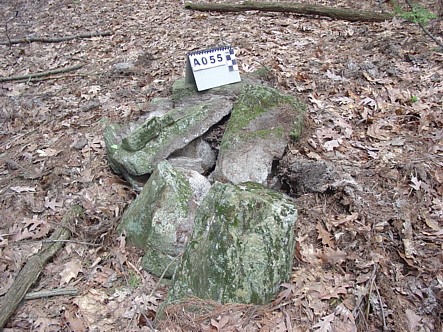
[
  {"x": 241, "y": 248},
  {"x": 161, "y": 218},
  {"x": 263, "y": 121}
]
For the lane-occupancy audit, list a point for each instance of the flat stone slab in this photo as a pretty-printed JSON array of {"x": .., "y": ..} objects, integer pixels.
[
  {"x": 261, "y": 124},
  {"x": 139, "y": 152}
]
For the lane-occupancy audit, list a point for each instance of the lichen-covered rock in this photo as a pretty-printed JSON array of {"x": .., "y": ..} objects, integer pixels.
[
  {"x": 262, "y": 122},
  {"x": 161, "y": 218},
  {"x": 144, "y": 148},
  {"x": 241, "y": 248}
]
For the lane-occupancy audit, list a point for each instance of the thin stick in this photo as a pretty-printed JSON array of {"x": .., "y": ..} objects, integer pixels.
[
  {"x": 32, "y": 39},
  {"x": 39, "y": 79},
  {"x": 426, "y": 31},
  {"x": 49, "y": 293},
  {"x": 385, "y": 328},
  {"x": 41, "y": 74},
  {"x": 73, "y": 241},
  {"x": 163, "y": 274},
  {"x": 361, "y": 297}
]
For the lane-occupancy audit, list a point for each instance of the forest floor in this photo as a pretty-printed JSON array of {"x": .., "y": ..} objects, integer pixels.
[{"x": 374, "y": 96}]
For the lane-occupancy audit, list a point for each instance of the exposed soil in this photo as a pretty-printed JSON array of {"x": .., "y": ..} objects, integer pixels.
[{"x": 367, "y": 173}]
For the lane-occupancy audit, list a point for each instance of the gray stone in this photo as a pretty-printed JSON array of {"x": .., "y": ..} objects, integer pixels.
[
  {"x": 168, "y": 125},
  {"x": 149, "y": 130},
  {"x": 157, "y": 107},
  {"x": 140, "y": 151},
  {"x": 185, "y": 93},
  {"x": 241, "y": 248},
  {"x": 187, "y": 163},
  {"x": 311, "y": 176},
  {"x": 124, "y": 68},
  {"x": 198, "y": 155},
  {"x": 161, "y": 218},
  {"x": 262, "y": 122}
]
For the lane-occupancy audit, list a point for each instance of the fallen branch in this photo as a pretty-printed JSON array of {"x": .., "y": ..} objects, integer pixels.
[
  {"x": 73, "y": 241},
  {"x": 32, "y": 39},
  {"x": 41, "y": 74},
  {"x": 298, "y": 8},
  {"x": 50, "y": 293},
  {"x": 60, "y": 77},
  {"x": 34, "y": 266}
]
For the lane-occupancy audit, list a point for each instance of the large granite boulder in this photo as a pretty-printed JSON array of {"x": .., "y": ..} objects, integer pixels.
[
  {"x": 161, "y": 218},
  {"x": 262, "y": 122},
  {"x": 241, "y": 248}
]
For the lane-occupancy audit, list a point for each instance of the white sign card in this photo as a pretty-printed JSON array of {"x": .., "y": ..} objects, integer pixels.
[{"x": 211, "y": 68}]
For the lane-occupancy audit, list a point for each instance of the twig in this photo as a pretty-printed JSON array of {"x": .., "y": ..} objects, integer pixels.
[
  {"x": 426, "y": 31},
  {"x": 73, "y": 241},
  {"x": 41, "y": 74},
  {"x": 163, "y": 274},
  {"x": 385, "y": 328},
  {"x": 32, "y": 39},
  {"x": 6, "y": 29},
  {"x": 49, "y": 293},
  {"x": 28, "y": 133},
  {"x": 29, "y": 274},
  {"x": 39, "y": 79},
  {"x": 361, "y": 297},
  {"x": 368, "y": 304}
]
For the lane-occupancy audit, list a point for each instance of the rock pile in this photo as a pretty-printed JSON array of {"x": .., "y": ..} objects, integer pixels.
[{"x": 206, "y": 215}]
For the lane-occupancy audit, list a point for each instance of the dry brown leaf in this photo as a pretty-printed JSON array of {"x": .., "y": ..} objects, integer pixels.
[
  {"x": 438, "y": 174},
  {"x": 376, "y": 131},
  {"x": 430, "y": 222},
  {"x": 104, "y": 276},
  {"x": 415, "y": 183},
  {"x": 221, "y": 323},
  {"x": 53, "y": 204},
  {"x": 331, "y": 256},
  {"x": 34, "y": 228},
  {"x": 335, "y": 292},
  {"x": 324, "y": 236},
  {"x": 344, "y": 219},
  {"x": 344, "y": 313},
  {"x": 332, "y": 144},
  {"x": 70, "y": 271},
  {"x": 325, "y": 324},
  {"x": 285, "y": 294},
  {"x": 47, "y": 152},
  {"x": 43, "y": 324},
  {"x": 409, "y": 248},
  {"x": 413, "y": 319},
  {"x": 87, "y": 176},
  {"x": 75, "y": 322}
]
